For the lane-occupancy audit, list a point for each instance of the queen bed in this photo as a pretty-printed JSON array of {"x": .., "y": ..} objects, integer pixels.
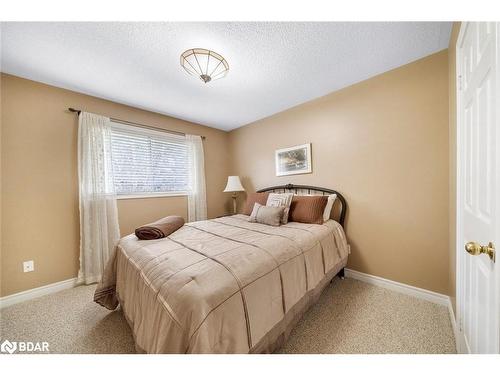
[{"x": 224, "y": 285}]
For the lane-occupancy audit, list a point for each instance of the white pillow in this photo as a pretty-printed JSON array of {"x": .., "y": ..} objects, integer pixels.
[
  {"x": 279, "y": 200},
  {"x": 328, "y": 208}
]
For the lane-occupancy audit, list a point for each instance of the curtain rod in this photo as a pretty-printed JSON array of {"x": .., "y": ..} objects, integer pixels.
[{"x": 78, "y": 111}]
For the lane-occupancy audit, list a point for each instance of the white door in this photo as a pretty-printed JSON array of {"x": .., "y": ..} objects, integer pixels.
[{"x": 478, "y": 185}]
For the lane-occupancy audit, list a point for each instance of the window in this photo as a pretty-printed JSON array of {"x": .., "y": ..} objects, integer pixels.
[{"x": 148, "y": 162}]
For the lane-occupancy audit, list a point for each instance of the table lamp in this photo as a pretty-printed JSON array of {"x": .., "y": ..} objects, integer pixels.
[{"x": 233, "y": 186}]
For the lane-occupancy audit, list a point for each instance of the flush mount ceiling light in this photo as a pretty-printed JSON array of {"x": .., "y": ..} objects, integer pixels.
[{"x": 205, "y": 64}]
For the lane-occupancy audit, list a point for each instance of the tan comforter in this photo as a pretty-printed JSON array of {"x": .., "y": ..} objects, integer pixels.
[{"x": 222, "y": 285}]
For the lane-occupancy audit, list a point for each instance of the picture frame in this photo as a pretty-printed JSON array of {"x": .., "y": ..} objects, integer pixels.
[{"x": 293, "y": 160}]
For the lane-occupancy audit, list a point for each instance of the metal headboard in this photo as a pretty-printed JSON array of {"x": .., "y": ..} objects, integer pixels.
[{"x": 309, "y": 189}]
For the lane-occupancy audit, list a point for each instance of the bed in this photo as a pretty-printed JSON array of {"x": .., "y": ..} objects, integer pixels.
[{"x": 224, "y": 285}]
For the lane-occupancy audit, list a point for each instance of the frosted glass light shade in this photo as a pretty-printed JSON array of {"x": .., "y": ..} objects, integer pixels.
[
  {"x": 233, "y": 184},
  {"x": 204, "y": 64}
]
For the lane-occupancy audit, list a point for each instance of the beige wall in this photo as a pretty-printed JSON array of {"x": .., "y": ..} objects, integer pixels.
[
  {"x": 453, "y": 157},
  {"x": 383, "y": 143},
  {"x": 40, "y": 182}
]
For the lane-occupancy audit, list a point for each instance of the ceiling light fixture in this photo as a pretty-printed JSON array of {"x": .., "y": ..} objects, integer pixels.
[{"x": 205, "y": 64}]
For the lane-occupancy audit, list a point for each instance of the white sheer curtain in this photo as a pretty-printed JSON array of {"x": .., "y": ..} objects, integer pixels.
[
  {"x": 99, "y": 230},
  {"x": 197, "y": 197}
]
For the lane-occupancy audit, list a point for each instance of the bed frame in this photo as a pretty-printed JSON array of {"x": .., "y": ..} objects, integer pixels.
[{"x": 311, "y": 190}]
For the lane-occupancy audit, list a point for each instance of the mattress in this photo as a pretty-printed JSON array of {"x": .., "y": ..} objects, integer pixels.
[{"x": 221, "y": 286}]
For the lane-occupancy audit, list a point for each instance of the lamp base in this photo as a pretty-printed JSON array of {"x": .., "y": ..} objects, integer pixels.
[{"x": 234, "y": 195}]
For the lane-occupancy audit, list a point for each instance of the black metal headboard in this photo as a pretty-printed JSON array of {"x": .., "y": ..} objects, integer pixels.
[{"x": 309, "y": 189}]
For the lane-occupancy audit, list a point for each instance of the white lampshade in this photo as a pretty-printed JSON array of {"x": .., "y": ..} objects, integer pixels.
[{"x": 233, "y": 184}]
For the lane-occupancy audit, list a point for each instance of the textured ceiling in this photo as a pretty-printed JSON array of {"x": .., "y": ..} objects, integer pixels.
[{"x": 273, "y": 66}]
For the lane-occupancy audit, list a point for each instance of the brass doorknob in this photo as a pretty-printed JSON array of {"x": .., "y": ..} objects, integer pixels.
[{"x": 473, "y": 248}]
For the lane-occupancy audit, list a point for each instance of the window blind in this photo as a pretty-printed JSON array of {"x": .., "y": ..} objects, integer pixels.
[{"x": 147, "y": 161}]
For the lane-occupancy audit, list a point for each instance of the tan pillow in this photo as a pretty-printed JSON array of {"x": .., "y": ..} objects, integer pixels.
[
  {"x": 266, "y": 215},
  {"x": 278, "y": 200},
  {"x": 253, "y": 198},
  {"x": 308, "y": 209}
]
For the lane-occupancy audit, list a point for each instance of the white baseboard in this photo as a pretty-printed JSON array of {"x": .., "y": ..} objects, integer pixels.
[
  {"x": 413, "y": 291},
  {"x": 38, "y": 292}
]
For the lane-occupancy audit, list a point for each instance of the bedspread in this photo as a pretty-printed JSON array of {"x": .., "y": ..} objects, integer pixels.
[{"x": 220, "y": 286}]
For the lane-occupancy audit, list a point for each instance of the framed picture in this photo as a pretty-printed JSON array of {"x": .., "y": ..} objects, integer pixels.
[{"x": 293, "y": 160}]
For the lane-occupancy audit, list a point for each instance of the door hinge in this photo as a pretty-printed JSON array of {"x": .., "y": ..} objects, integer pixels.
[{"x": 460, "y": 82}]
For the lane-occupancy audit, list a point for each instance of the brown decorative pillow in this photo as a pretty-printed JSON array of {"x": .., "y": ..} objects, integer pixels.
[
  {"x": 308, "y": 209},
  {"x": 253, "y": 198},
  {"x": 266, "y": 215}
]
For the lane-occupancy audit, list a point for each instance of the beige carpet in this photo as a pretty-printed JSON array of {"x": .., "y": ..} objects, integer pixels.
[{"x": 351, "y": 317}]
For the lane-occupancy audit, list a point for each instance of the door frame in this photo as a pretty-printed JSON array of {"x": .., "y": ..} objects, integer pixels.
[
  {"x": 461, "y": 343},
  {"x": 460, "y": 336}
]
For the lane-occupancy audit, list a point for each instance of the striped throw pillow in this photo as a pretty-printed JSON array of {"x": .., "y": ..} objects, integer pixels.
[
  {"x": 266, "y": 215},
  {"x": 308, "y": 209}
]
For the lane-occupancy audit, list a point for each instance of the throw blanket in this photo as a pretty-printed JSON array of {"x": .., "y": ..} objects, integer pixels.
[
  {"x": 220, "y": 286},
  {"x": 159, "y": 229}
]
